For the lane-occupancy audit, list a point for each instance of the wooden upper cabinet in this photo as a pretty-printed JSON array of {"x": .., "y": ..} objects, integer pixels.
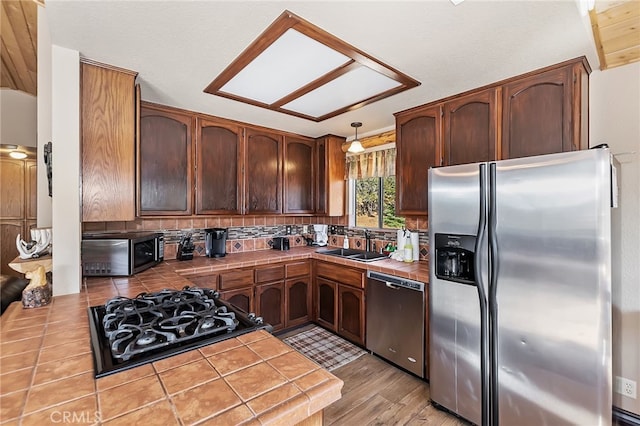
[
  {"x": 108, "y": 131},
  {"x": 219, "y": 153},
  {"x": 546, "y": 112},
  {"x": 330, "y": 184},
  {"x": 418, "y": 147},
  {"x": 165, "y": 175},
  {"x": 12, "y": 189},
  {"x": 471, "y": 128},
  {"x": 299, "y": 175},
  {"x": 263, "y": 172}
]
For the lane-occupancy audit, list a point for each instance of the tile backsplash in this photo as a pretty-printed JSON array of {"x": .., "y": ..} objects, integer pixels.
[{"x": 256, "y": 233}]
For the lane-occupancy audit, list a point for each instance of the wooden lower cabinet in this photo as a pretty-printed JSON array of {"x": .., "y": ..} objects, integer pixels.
[
  {"x": 241, "y": 298},
  {"x": 297, "y": 301},
  {"x": 351, "y": 313},
  {"x": 339, "y": 300},
  {"x": 326, "y": 304},
  {"x": 270, "y": 303}
]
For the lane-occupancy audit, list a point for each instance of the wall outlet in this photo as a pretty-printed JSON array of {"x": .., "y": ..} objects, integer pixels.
[
  {"x": 288, "y": 229},
  {"x": 305, "y": 229},
  {"x": 625, "y": 387}
]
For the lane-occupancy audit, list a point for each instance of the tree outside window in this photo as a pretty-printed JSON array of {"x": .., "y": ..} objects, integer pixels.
[{"x": 375, "y": 203}]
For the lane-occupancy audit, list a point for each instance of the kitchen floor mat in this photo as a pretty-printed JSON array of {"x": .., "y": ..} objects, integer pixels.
[{"x": 325, "y": 348}]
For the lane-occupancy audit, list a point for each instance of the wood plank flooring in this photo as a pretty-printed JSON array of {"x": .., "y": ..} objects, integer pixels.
[{"x": 377, "y": 393}]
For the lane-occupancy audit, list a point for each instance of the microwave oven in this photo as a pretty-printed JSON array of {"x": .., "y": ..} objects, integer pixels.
[{"x": 121, "y": 254}]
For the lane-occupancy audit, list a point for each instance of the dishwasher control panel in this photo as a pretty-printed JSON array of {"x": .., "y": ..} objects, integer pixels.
[{"x": 396, "y": 281}]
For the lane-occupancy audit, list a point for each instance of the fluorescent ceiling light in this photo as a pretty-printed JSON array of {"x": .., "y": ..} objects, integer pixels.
[
  {"x": 299, "y": 69},
  {"x": 276, "y": 72},
  {"x": 348, "y": 89}
]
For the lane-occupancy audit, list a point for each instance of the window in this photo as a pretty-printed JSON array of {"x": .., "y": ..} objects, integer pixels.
[
  {"x": 374, "y": 203},
  {"x": 372, "y": 189}
]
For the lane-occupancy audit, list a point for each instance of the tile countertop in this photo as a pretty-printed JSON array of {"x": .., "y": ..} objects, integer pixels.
[
  {"x": 46, "y": 366},
  {"x": 418, "y": 271},
  {"x": 47, "y": 377}
]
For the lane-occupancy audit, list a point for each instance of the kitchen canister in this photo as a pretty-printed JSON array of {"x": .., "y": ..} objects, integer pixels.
[{"x": 415, "y": 242}]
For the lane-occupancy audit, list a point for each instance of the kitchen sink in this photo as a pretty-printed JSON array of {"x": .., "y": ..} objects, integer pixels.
[{"x": 354, "y": 254}]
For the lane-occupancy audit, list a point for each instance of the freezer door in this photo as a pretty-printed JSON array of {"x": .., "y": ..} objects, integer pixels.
[
  {"x": 553, "y": 289},
  {"x": 454, "y": 310}
]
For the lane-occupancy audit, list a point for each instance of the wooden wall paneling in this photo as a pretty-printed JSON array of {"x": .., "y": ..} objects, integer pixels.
[
  {"x": 12, "y": 190},
  {"x": 31, "y": 190}
]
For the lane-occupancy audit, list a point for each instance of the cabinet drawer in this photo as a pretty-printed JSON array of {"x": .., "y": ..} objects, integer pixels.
[
  {"x": 204, "y": 281},
  {"x": 236, "y": 279},
  {"x": 297, "y": 269},
  {"x": 341, "y": 274},
  {"x": 272, "y": 273}
]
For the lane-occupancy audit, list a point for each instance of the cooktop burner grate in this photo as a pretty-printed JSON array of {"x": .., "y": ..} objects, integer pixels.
[{"x": 127, "y": 332}]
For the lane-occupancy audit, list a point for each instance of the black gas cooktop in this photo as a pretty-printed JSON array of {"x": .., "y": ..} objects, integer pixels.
[{"x": 129, "y": 332}]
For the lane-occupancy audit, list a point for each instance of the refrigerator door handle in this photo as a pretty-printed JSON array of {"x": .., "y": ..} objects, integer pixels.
[
  {"x": 493, "y": 300},
  {"x": 483, "y": 297}
]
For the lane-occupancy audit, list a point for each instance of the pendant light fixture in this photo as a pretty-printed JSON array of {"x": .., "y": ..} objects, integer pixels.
[{"x": 355, "y": 146}]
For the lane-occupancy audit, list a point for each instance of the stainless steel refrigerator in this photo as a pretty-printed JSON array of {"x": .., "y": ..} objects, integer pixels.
[{"x": 520, "y": 289}]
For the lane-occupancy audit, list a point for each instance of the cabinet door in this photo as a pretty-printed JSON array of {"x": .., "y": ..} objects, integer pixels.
[
  {"x": 219, "y": 168},
  {"x": 470, "y": 128},
  {"x": 418, "y": 147},
  {"x": 165, "y": 162},
  {"x": 297, "y": 301},
  {"x": 330, "y": 188},
  {"x": 270, "y": 304},
  {"x": 31, "y": 190},
  {"x": 299, "y": 175},
  {"x": 327, "y": 303},
  {"x": 242, "y": 299},
  {"x": 12, "y": 189},
  {"x": 263, "y": 172},
  {"x": 537, "y": 114},
  {"x": 108, "y": 144},
  {"x": 9, "y": 230},
  {"x": 351, "y": 314}
]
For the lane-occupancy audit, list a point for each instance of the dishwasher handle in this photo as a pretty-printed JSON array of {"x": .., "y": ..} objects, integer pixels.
[
  {"x": 396, "y": 282},
  {"x": 392, "y": 286}
]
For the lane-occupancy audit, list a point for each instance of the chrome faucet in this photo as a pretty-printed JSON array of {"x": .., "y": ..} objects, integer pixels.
[{"x": 367, "y": 237}]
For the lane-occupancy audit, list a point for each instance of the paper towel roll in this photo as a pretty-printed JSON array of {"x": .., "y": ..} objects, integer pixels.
[
  {"x": 415, "y": 242},
  {"x": 401, "y": 239}
]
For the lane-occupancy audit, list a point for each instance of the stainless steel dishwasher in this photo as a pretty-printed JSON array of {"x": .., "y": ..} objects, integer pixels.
[{"x": 395, "y": 320}]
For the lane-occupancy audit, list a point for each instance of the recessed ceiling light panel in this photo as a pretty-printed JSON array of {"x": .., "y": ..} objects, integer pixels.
[
  {"x": 277, "y": 72},
  {"x": 297, "y": 68},
  {"x": 349, "y": 89}
]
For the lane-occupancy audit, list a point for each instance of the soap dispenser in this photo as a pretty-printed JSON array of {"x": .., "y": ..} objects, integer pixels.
[{"x": 346, "y": 242}]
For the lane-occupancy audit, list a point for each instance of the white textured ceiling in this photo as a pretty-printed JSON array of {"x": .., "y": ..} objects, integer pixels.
[{"x": 179, "y": 46}]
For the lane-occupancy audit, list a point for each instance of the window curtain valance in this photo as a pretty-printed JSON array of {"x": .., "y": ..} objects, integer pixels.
[{"x": 381, "y": 163}]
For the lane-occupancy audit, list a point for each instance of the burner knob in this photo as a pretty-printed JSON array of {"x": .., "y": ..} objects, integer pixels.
[
  {"x": 258, "y": 320},
  {"x": 251, "y": 316}
]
